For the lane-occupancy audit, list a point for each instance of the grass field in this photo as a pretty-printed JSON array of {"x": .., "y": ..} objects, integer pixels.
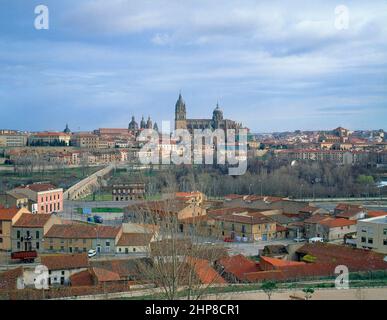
[
  {"x": 102, "y": 210},
  {"x": 63, "y": 178}
]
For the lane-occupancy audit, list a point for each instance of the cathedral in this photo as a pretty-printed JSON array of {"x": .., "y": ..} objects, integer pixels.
[
  {"x": 134, "y": 127},
  {"x": 217, "y": 121}
]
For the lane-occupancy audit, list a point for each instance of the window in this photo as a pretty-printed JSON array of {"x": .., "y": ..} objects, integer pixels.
[
  {"x": 243, "y": 229},
  {"x": 107, "y": 244},
  {"x": 363, "y": 239},
  {"x": 370, "y": 240},
  {"x": 18, "y": 234},
  {"x": 62, "y": 248},
  {"x": 385, "y": 232},
  {"x": 63, "y": 273},
  {"x": 51, "y": 248},
  {"x": 37, "y": 245},
  {"x": 37, "y": 234},
  {"x": 18, "y": 245},
  {"x": 134, "y": 249},
  {"x": 1, "y": 240},
  {"x": 385, "y": 242},
  {"x": 28, "y": 233}
]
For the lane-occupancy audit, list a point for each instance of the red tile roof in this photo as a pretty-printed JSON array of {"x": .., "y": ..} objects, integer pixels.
[
  {"x": 103, "y": 275},
  {"x": 249, "y": 218},
  {"x": 40, "y": 187},
  {"x": 339, "y": 222},
  {"x": 29, "y": 220},
  {"x": 355, "y": 259},
  {"x": 317, "y": 218},
  {"x": 83, "y": 278},
  {"x": 134, "y": 239},
  {"x": 278, "y": 263},
  {"x": 8, "y": 279},
  {"x": 65, "y": 261},
  {"x": 205, "y": 273},
  {"x": 374, "y": 214},
  {"x": 8, "y": 214},
  {"x": 238, "y": 265},
  {"x": 82, "y": 231}
]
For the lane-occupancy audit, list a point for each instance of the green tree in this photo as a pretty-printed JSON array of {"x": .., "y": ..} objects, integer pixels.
[{"x": 268, "y": 287}]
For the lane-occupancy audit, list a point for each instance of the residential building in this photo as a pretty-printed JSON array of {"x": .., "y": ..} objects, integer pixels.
[
  {"x": 163, "y": 212},
  {"x": 134, "y": 242},
  {"x": 8, "y": 217},
  {"x": 29, "y": 231},
  {"x": 372, "y": 234},
  {"x": 49, "y": 198},
  {"x": 335, "y": 229},
  {"x": 85, "y": 140},
  {"x": 126, "y": 192},
  {"x": 245, "y": 225},
  {"x": 12, "y": 198},
  {"x": 62, "y": 267},
  {"x": 80, "y": 237}
]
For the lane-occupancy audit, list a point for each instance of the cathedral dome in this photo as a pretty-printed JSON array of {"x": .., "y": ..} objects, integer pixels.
[
  {"x": 133, "y": 124},
  {"x": 218, "y": 114},
  {"x": 67, "y": 129}
]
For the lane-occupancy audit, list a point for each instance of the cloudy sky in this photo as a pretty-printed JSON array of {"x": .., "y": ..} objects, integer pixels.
[{"x": 273, "y": 65}]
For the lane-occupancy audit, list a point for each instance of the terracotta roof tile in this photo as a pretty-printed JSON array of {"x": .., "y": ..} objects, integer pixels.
[
  {"x": 339, "y": 222},
  {"x": 65, "y": 261},
  {"x": 29, "y": 220},
  {"x": 104, "y": 275},
  {"x": 134, "y": 239},
  {"x": 8, "y": 214},
  {"x": 82, "y": 231},
  {"x": 204, "y": 271}
]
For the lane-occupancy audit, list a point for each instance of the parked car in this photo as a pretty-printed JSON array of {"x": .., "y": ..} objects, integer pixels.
[
  {"x": 98, "y": 219},
  {"x": 228, "y": 240},
  {"x": 91, "y": 253},
  {"x": 316, "y": 239},
  {"x": 299, "y": 240}
]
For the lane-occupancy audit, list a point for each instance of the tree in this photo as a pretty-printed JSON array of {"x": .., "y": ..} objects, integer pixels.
[
  {"x": 308, "y": 292},
  {"x": 268, "y": 287},
  {"x": 179, "y": 257}
]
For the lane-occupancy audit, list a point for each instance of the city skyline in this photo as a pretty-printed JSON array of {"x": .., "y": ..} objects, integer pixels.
[{"x": 272, "y": 67}]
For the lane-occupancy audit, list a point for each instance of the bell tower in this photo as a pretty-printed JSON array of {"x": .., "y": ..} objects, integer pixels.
[{"x": 180, "y": 114}]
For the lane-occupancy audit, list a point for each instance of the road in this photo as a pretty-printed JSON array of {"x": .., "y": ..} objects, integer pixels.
[{"x": 379, "y": 293}]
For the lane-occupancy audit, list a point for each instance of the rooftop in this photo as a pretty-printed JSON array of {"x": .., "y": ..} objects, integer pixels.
[
  {"x": 8, "y": 214},
  {"x": 65, "y": 261},
  {"x": 29, "y": 220},
  {"x": 135, "y": 239},
  {"x": 82, "y": 231}
]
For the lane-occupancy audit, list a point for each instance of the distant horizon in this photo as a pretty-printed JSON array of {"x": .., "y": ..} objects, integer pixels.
[{"x": 273, "y": 66}]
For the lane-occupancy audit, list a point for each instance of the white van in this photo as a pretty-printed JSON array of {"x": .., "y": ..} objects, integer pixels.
[{"x": 316, "y": 239}]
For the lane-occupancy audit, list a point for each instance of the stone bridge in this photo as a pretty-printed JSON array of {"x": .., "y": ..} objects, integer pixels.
[{"x": 86, "y": 186}]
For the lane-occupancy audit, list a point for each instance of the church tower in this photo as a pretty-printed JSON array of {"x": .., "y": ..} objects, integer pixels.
[{"x": 180, "y": 114}]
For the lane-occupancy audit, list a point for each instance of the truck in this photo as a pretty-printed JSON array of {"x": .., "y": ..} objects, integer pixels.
[{"x": 24, "y": 256}]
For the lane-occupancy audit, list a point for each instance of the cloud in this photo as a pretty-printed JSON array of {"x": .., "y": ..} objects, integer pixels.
[{"x": 268, "y": 59}]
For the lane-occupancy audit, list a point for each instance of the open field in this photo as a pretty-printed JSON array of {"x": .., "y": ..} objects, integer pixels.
[{"x": 63, "y": 178}]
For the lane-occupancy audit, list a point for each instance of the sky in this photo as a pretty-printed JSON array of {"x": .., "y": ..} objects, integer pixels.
[{"x": 272, "y": 65}]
